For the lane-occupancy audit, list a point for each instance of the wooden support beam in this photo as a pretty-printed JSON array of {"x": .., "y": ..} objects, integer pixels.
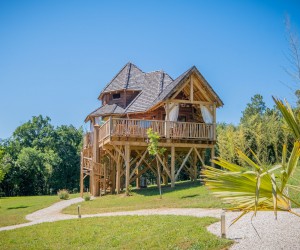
[
  {"x": 192, "y": 89},
  {"x": 118, "y": 175},
  {"x": 167, "y": 123},
  {"x": 111, "y": 155},
  {"x": 81, "y": 174},
  {"x": 162, "y": 144},
  {"x": 172, "y": 167},
  {"x": 138, "y": 164},
  {"x": 183, "y": 163},
  {"x": 137, "y": 180},
  {"x": 119, "y": 150},
  {"x": 164, "y": 167},
  {"x": 194, "y": 165},
  {"x": 104, "y": 177},
  {"x": 199, "y": 156},
  {"x": 178, "y": 91},
  {"x": 127, "y": 164},
  {"x": 191, "y": 102},
  {"x": 150, "y": 167},
  {"x": 203, "y": 92},
  {"x": 112, "y": 175},
  {"x": 94, "y": 184}
]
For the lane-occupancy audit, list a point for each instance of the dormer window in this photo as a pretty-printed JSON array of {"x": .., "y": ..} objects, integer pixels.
[{"x": 116, "y": 96}]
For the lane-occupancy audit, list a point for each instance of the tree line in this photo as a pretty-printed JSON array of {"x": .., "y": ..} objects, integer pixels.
[
  {"x": 40, "y": 159},
  {"x": 261, "y": 130}
]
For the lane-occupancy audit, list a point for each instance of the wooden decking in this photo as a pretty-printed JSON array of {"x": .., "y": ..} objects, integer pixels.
[{"x": 133, "y": 128}]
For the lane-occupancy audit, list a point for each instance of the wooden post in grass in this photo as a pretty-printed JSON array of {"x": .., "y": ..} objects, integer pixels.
[{"x": 223, "y": 225}]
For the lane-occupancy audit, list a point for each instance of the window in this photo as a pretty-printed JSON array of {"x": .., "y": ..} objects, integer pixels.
[{"x": 116, "y": 96}]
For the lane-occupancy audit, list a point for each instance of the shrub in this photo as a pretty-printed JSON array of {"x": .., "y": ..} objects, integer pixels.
[
  {"x": 75, "y": 190},
  {"x": 87, "y": 197},
  {"x": 63, "y": 194},
  {"x": 129, "y": 190}
]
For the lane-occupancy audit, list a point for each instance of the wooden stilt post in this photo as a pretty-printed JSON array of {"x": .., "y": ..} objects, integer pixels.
[
  {"x": 164, "y": 175},
  {"x": 138, "y": 180},
  {"x": 158, "y": 177},
  {"x": 113, "y": 175},
  {"x": 104, "y": 177},
  {"x": 95, "y": 189},
  {"x": 127, "y": 170},
  {"x": 118, "y": 176},
  {"x": 195, "y": 172},
  {"x": 172, "y": 166},
  {"x": 81, "y": 175}
]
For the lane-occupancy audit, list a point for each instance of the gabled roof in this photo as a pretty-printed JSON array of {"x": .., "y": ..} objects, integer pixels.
[
  {"x": 154, "y": 88},
  {"x": 179, "y": 81}
]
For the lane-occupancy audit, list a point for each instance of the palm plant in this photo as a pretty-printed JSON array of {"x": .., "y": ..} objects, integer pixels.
[{"x": 254, "y": 186}]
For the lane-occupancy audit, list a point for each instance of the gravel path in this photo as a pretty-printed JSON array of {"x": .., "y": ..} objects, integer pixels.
[{"x": 283, "y": 233}]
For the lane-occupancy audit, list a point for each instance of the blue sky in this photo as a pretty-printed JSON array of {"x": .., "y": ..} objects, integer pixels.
[{"x": 56, "y": 56}]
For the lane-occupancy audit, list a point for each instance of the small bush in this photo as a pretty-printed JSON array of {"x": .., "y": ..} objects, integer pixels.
[
  {"x": 130, "y": 190},
  {"x": 87, "y": 197},
  {"x": 63, "y": 194},
  {"x": 75, "y": 190}
]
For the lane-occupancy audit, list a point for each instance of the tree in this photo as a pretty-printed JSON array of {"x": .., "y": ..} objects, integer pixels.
[
  {"x": 37, "y": 133},
  {"x": 33, "y": 171},
  {"x": 67, "y": 145},
  {"x": 40, "y": 157},
  {"x": 154, "y": 150},
  {"x": 257, "y": 107}
]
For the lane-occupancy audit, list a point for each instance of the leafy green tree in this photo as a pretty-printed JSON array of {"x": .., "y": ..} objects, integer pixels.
[
  {"x": 37, "y": 133},
  {"x": 39, "y": 157},
  {"x": 33, "y": 171},
  {"x": 67, "y": 145}
]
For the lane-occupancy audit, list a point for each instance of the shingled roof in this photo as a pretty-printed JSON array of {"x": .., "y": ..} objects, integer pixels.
[{"x": 154, "y": 87}]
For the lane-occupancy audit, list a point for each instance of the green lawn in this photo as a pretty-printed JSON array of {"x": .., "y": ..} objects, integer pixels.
[
  {"x": 122, "y": 232},
  {"x": 184, "y": 195},
  {"x": 14, "y": 209},
  {"x": 295, "y": 180}
]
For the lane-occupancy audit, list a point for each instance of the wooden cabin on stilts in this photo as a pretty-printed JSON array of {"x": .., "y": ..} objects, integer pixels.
[{"x": 182, "y": 111}]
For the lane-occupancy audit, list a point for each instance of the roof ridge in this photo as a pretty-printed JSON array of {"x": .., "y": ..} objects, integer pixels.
[
  {"x": 128, "y": 76},
  {"x": 130, "y": 104},
  {"x": 161, "y": 83}
]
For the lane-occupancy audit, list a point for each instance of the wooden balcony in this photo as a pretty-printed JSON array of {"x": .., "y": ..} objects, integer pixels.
[{"x": 133, "y": 128}]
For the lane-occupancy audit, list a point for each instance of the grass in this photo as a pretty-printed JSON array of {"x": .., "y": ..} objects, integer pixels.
[
  {"x": 184, "y": 195},
  {"x": 122, "y": 232},
  {"x": 295, "y": 180},
  {"x": 14, "y": 209}
]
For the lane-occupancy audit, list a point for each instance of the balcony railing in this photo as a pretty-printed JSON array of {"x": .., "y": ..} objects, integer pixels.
[{"x": 166, "y": 129}]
